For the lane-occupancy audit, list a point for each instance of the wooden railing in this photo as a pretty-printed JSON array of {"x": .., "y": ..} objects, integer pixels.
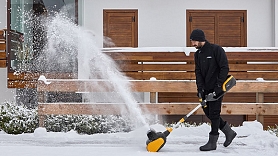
[
  {"x": 246, "y": 66},
  {"x": 259, "y": 108},
  {"x": 169, "y": 66},
  {"x": 179, "y": 66}
]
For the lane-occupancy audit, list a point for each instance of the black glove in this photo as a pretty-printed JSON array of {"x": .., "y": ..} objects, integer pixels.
[
  {"x": 217, "y": 90},
  {"x": 201, "y": 94}
]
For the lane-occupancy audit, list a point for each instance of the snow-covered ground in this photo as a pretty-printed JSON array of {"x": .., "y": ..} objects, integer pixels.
[{"x": 251, "y": 140}]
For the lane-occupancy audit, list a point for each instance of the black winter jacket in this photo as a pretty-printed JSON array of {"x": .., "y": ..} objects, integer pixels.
[{"x": 211, "y": 66}]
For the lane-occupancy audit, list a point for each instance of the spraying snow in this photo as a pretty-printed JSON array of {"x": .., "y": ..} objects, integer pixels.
[{"x": 70, "y": 47}]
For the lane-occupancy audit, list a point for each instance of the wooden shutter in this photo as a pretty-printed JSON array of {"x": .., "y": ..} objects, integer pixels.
[
  {"x": 231, "y": 32},
  {"x": 3, "y": 58},
  {"x": 224, "y": 27},
  {"x": 204, "y": 21},
  {"x": 121, "y": 27}
]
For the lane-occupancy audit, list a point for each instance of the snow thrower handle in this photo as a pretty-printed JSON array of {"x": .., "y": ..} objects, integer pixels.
[
  {"x": 227, "y": 85},
  {"x": 211, "y": 97}
]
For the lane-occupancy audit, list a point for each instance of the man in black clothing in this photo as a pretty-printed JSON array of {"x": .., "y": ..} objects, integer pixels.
[{"x": 211, "y": 70}]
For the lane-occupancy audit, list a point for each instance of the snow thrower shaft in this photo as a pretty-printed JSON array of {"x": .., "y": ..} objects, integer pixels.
[
  {"x": 210, "y": 97},
  {"x": 156, "y": 140}
]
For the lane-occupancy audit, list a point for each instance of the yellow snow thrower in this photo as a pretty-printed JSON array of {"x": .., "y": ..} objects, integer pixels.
[{"x": 156, "y": 140}]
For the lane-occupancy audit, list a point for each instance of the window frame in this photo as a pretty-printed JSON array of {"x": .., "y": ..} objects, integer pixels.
[{"x": 8, "y": 33}]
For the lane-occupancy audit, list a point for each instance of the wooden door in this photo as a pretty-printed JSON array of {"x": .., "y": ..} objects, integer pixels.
[
  {"x": 121, "y": 26},
  {"x": 227, "y": 28}
]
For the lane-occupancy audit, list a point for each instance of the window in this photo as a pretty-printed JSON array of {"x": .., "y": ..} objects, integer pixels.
[
  {"x": 26, "y": 34},
  {"x": 227, "y": 28}
]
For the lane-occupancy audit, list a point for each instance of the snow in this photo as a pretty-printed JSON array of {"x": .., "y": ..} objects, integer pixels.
[
  {"x": 251, "y": 140},
  {"x": 43, "y": 78},
  {"x": 187, "y": 50}
]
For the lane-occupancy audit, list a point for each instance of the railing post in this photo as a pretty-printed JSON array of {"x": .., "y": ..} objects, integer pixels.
[
  {"x": 41, "y": 120},
  {"x": 154, "y": 99},
  {"x": 42, "y": 98},
  {"x": 260, "y": 99},
  {"x": 153, "y": 95}
]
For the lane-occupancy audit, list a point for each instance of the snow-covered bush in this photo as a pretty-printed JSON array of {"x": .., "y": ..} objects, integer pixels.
[
  {"x": 88, "y": 124},
  {"x": 15, "y": 119}
]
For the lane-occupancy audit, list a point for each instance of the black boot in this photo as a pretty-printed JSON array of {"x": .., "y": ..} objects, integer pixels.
[
  {"x": 211, "y": 144},
  {"x": 229, "y": 133}
]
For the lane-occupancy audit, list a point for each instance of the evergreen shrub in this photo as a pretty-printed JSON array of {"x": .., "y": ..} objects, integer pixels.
[{"x": 16, "y": 119}]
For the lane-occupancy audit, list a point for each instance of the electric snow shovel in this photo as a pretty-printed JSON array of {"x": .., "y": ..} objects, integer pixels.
[{"x": 156, "y": 140}]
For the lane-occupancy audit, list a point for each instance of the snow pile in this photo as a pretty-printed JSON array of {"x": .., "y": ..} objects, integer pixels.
[{"x": 251, "y": 140}]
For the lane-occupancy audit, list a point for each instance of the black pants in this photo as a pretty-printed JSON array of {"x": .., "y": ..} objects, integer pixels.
[{"x": 212, "y": 111}]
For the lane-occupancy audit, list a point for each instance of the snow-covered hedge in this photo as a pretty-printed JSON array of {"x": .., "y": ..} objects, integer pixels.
[
  {"x": 16, "y": 119},
  {"x": 88, "y": 124}
]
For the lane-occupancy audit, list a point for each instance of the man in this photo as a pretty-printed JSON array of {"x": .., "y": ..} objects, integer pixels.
[{"x": 211, "y": 70}]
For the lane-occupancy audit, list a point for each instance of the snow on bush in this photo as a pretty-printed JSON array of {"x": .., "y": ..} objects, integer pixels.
[
  {"x": 15, "y": 119},
  {"x": 88, "y": 124}
]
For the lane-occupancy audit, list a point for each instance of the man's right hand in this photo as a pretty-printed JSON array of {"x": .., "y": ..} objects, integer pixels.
[{"x": 201, "y": 94}]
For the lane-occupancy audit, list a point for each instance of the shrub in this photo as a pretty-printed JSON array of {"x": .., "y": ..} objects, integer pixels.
[
  {"x": 15, "y": 119},
  {"x": 88, "y": 124}
]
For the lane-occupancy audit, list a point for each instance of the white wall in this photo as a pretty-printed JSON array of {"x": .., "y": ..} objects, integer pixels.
[
  {"x": 3, "y": 17},
  {"x": 5, "y": 94},
  {"x": 162, "y": 22},
  {"x": 275, "y": 25}
]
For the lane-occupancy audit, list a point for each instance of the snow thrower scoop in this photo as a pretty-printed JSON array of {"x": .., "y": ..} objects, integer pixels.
[{"x": 156, "y": 140}]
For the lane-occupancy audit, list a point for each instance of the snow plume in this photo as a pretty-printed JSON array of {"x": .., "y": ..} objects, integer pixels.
[{"x": 70, "y": 48}]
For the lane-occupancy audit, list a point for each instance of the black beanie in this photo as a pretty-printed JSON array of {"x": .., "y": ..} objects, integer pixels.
[{"x": 197, "y": 35}]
